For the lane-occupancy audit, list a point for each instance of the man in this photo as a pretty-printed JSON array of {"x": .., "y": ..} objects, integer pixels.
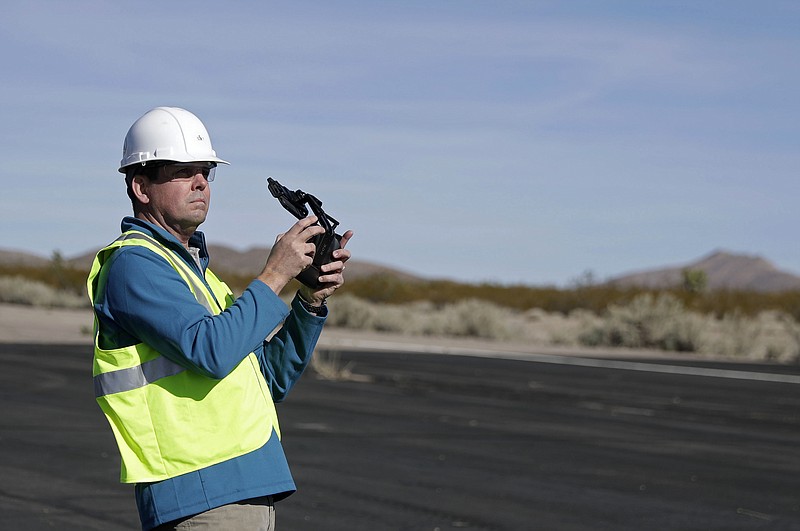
[{"x": 186, "y": 375}]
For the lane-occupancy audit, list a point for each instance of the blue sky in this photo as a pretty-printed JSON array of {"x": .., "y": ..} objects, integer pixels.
[{"x": 502, "y": 141}]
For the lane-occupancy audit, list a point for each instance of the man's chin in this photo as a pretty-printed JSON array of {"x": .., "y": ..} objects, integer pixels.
[
  {"x": 195, "y": 220},
  {"x": 198, "y": 213}
]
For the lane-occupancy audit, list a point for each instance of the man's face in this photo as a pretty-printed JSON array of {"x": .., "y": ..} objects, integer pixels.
[{"x": 179, "y": 197}]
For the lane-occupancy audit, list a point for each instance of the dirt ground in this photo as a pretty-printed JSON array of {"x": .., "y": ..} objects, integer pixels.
[{"x": 27, "y": 324}]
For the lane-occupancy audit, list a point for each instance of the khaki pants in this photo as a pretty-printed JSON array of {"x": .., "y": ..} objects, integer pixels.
[{"x": 256, "y": 514}]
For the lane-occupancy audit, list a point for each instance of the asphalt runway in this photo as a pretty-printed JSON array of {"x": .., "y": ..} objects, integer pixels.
[{"x": 439, "y": 442}]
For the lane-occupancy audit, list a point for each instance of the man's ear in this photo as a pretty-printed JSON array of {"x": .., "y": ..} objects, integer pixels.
[{"x": 139, "y": 187}]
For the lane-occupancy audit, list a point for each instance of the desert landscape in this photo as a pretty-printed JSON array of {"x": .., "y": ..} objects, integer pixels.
[
  {"x": 739, "y": 307},
  {"x": 434, "y": 416}
]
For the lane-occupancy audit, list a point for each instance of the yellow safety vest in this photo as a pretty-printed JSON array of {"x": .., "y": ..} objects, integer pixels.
[{"x": 168, "y": 420}]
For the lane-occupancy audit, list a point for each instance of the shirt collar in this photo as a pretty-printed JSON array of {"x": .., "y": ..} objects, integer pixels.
[{"x": 198, "y": 239}]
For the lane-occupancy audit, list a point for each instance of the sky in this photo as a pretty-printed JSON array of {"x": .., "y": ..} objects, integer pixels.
[{"x": 513, "y": 142}]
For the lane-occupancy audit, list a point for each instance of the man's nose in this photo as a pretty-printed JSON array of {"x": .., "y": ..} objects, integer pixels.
[{"x": 199, "y": 180}]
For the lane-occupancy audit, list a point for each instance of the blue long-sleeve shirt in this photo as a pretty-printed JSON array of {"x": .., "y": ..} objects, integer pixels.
[{"x": 146, "y": 300}]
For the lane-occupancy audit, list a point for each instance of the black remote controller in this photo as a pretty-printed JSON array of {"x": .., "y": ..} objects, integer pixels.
[{"x": 327, "y": 242}]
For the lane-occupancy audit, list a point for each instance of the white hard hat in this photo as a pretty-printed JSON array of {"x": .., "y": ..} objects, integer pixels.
[{"x": 167, "y": 134}]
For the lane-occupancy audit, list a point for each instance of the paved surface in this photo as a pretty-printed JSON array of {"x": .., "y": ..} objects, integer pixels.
[{"x": 425, "y": 442}]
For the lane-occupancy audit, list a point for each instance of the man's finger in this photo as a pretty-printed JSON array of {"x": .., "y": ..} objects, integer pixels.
[
  {"x": 346, "y": 238},
  {"x": 302, "y": 224}
]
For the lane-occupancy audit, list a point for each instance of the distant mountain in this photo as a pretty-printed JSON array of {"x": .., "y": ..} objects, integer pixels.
[
  {"x": 724, "y": 271},
  {"x": 23, "y": 258},
  {"x": 223, "y": 260},
  {"x": 251, "y": 261}
]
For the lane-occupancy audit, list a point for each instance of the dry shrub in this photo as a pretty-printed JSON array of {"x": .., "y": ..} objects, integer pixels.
[
  {"x": 733, "y": 335},
  {"x": 20, "y": 290},
  {"x": 468, "y": 318},
  {"x": 664, "y": 323},
  {"x": 769, "y": 336},
  {"x": 562, "y": 329},
  {"x": 328, "y": 365},
  {"x": 474, "y": 318},
  {"x": 647, "y": 322},
  {"x": 351, "y": 312}
]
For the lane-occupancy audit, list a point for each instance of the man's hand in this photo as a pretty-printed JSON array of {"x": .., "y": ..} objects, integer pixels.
[
  {"x": 291, "y": 254},
  {"x": 332, "y": 275}
]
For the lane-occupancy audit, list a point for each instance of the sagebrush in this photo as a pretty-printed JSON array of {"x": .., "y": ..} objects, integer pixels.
[{"x": 647, "y": 320}]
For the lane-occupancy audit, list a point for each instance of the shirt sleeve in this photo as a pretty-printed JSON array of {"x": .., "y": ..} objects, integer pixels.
[
  {"x": 146, "y": 300},
  {"x": 286, "y": 355}
]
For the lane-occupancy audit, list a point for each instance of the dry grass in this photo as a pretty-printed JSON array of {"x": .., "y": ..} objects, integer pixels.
[
  {"x": 20, "y": 290},
  {"x": 649, "y": 322},
  {"x": 469, "y": 318},
  {"x": 328, "y": 365},
  {"x": 661, "y": 321}
]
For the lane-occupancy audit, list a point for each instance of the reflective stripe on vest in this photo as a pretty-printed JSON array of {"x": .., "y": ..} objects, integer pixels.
[
  {"x": 168, "y": 420},
  {"x": 108, "y": 383},
  {"x": 148, "y": 372}
]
